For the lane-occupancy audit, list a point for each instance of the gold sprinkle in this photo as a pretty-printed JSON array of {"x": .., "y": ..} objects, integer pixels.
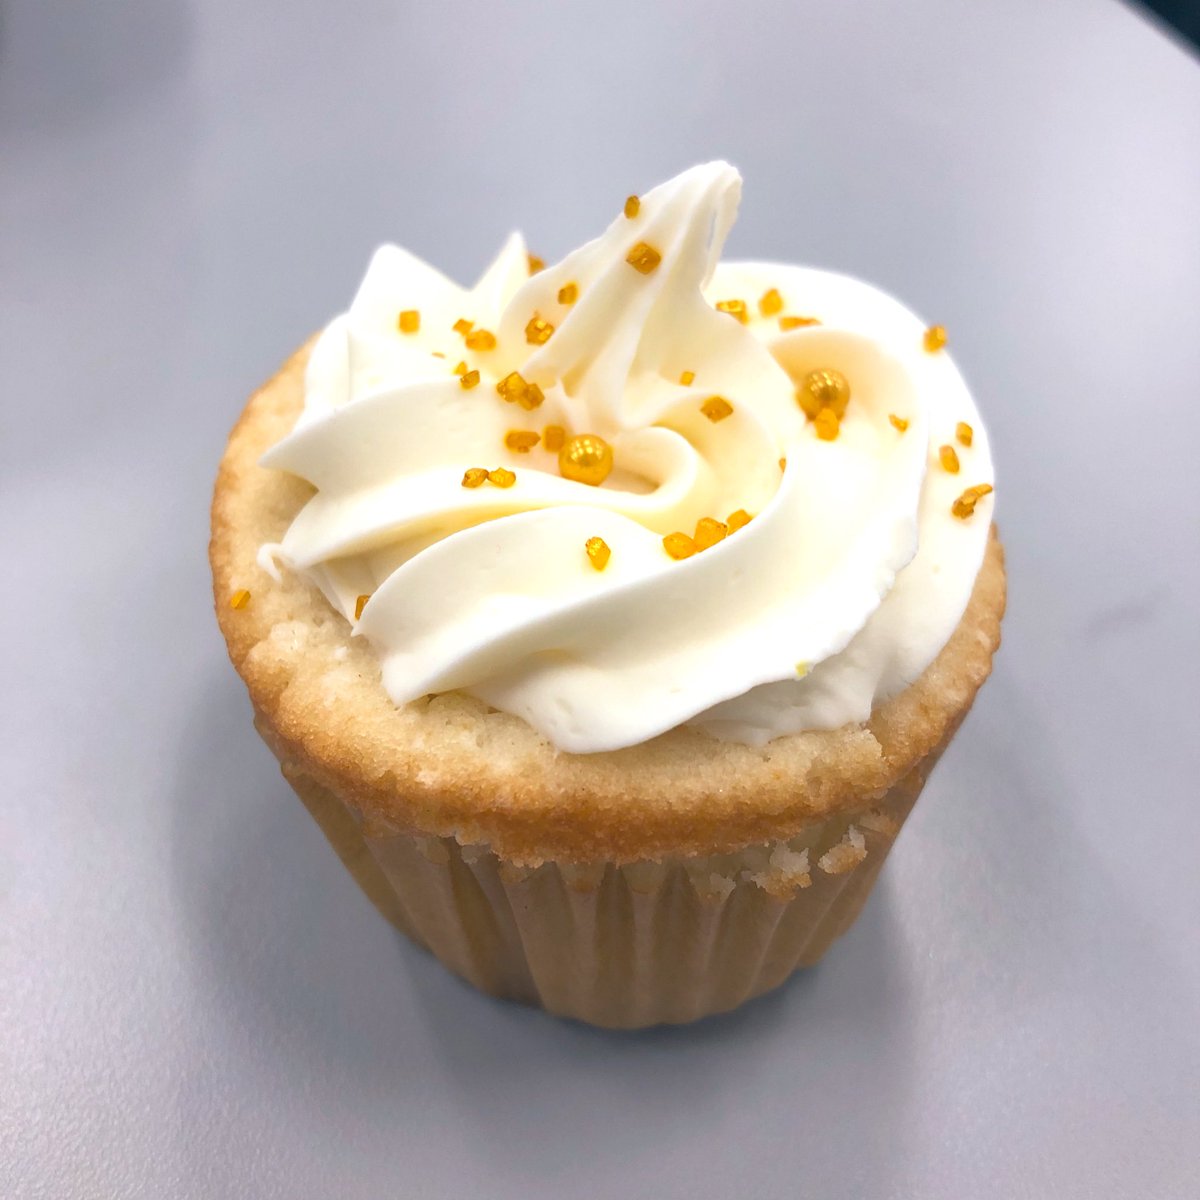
[
  {"x": 783, "y": 464},
  {"x": 632, "y": 206},
  {"x": 900, "y": 423},
  {"x": 964, "y": 433},
  {"x": 437, "y": 354},
  {"x": 709, "y": 532},
  {"x": 568, "y": 293},
  {"x": 239, "y": 599},
  {"x": 687, "y": 378},
  {"x": 359, "y": 605},
  {"x": 515, "y": 390},
  {"x": 511, "y": 386},
  {"x": 531, "y": 398},
  {"x": 679, "y": 545},
  {"x": 409, "y": 320},
  {"x": 460, "y": 369},
  {"x": 823, "y": 389},
  {"x": 598, "y": 552},
  {"x": 948, "y": 459},
  {"x": 716, "y": 408},
  {"x": 502, "y": 477},
  {"x": 474, "y": 477},
  {"x": 535, "y": 264},
  {"x": 964, "y": 506},
  {"x": 470, "y": 379},
  {"x": 770, "y": 302},
  {"x": 585, "y": 458},
  {"x": 643, "y": 257},
  {"x": 935, "y": 338},
  {"x": 463, "y": 326},
  {"x": 735, "y": 308},
  {"x": 521, "y": 441},
  {"x": 738, "y": 519},
  {"x": 786, "y": 323},
  {"x": 827, "y": 425},
  {"x": 801, "y": 670},
  {"x": 538, "y": 331},
  {"x": 481, "y": 339},
  {"x": 553, "y": 437}
]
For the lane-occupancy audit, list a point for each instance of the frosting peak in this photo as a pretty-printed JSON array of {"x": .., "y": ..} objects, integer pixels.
[{"x": 843, "y": 586}]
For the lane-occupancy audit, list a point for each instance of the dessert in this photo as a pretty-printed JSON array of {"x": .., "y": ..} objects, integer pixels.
[{"x": 610, "y": 615}]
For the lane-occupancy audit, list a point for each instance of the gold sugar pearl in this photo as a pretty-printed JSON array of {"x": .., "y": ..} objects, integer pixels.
[
  {"x": 900, "y": 423},
  {"x": 239, "y": 599},
  {"x": 474, "y": 477},
  {"x": 469, "y": 380},
  {"x": 538, "y": 331},
  {"x": 687, "y": 378},
  {"x": 460, "y": 368},
  {"x": 535, "y": 264},
  {"x": 359, "y": 605},
  {"x": 948, "y": 459},
  {"x": 827, "y": 425},
  {"x": 481, "y": 339},
  {"x": 738, "y": 519},
  {"x": 964, "y": 433},
  {"x": 935, "y": 338},
  {"x": 709, "y": 532},
  {"x": 802, "y": 669},
  {"x": 521, "y": 441},
  {"x": 598, "y": 552},
  {"x": 586, "y": 458},
  {"x": 964, "y": 506},
  {"x": 463, "y": 326},
  {"x": 716, "y": 408},
  {"x": 502, "y": 477},
  {"x": 553, "y": 437},
  {"x": 643, "y": 258},
  {"x": 770, "y": 302},
  {"x": 568, "y": 293},
  {"x": 786, "y": 323},
  {"x": 822, "y": 389},
  {"x": 409, "y": 320},
  {"x": 679, "y": 545},
  {"x": 735, "y": 308},
  {"x": 632, "y": 206}
]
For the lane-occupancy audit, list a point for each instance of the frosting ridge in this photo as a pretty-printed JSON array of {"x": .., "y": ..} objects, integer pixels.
[{"x": 848, "y": 579}]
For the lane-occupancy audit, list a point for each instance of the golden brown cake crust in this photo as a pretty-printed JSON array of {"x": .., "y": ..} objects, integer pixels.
[{"x": 449, "y": 766}]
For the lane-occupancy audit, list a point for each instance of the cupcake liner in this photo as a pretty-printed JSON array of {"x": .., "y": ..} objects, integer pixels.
[{"x": 621, "y": 946}]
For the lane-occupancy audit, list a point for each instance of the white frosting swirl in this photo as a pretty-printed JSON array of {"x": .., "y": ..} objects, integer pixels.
[{"x": 842, "y": 589}]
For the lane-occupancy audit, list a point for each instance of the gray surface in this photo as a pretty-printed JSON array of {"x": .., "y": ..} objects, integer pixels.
[{"x": 195, "y": 1001}]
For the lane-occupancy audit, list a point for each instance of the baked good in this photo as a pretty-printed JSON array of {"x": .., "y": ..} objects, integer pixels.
[{"x": 610, "y": 616}]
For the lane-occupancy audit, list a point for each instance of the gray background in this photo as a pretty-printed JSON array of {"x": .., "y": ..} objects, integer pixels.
[{"x": 195, "y": 1000}]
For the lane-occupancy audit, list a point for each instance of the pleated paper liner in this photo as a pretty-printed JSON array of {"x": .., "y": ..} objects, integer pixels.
[{"x": 622, "y": 946}]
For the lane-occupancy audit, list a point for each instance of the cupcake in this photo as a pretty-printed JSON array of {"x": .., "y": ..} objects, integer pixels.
[{"x": 609, "y": 616}]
